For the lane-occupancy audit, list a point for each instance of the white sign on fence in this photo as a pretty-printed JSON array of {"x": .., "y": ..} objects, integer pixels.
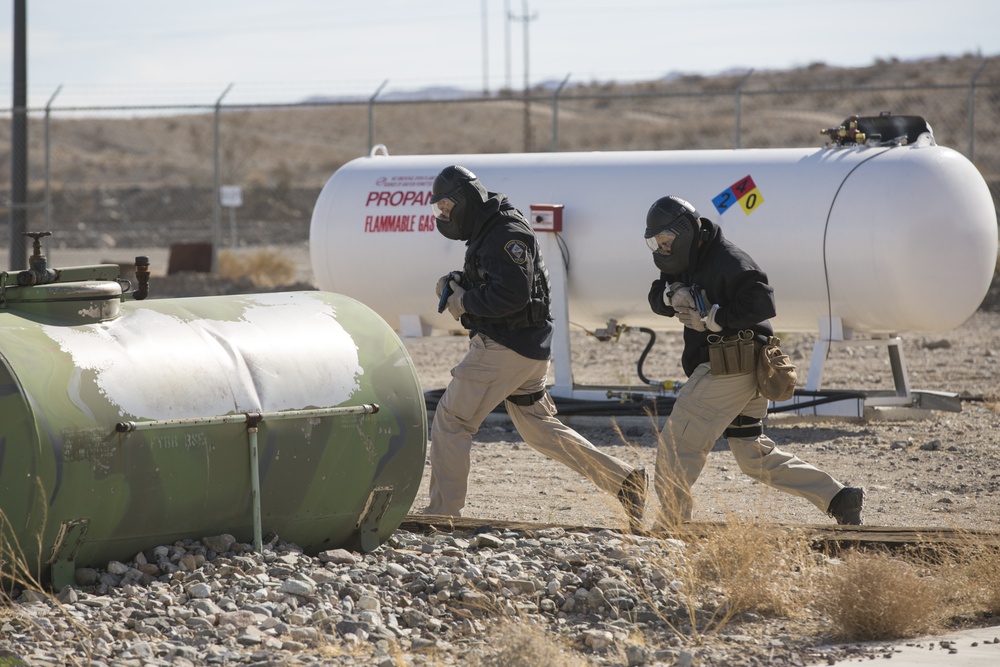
[{"x": 231, "y": 196}]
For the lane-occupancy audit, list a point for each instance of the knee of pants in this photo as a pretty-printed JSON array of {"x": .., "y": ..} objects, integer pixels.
[
  {"x": 749, "y": 452},
  {"x": 687, "y": 433}
]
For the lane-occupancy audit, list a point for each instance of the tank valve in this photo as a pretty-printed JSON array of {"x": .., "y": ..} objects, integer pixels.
[
  {"x": 37, "y": 272},
  {"x": 141, "y": 277},
  {"x": 847, "y": 134}
]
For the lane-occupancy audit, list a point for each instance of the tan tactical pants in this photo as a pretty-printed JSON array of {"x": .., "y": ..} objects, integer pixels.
[
  {"x": 489, "y": 373},
  {"x": 705, "y": 406}
]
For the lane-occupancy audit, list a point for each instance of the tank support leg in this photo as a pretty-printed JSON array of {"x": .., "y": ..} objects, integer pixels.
[
  {"x": 64, "y": 550},
  {"x": 558, "y": 284},
  {"x": 834, "y": 334},
  {"x": 258, "y": 539},
  {"x": 371, "y": 516},
  {"x": 861, "y": 403}
]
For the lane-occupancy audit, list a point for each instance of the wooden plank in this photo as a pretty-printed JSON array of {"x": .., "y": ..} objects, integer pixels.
[{"x": 833, "y": 536}]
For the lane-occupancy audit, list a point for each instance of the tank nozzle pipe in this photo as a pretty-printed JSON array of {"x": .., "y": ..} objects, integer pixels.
[
  {"x": 141, "y": 277},
  {"x": 250, "y": 418},
  {"x": 37, "y": 272}
]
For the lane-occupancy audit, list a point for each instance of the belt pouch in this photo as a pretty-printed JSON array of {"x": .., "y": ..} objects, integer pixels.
[
  {"x": 748, "y": 356},
  {"x": 731, "y": 354},
  {"x": 716, "y": 359}
]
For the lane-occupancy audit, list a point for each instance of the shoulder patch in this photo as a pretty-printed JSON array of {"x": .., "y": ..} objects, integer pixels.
[{"x": 517, "y": 250}]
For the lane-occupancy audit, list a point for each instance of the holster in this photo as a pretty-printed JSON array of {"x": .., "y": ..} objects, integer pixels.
[{"x": 732, "y": 355}]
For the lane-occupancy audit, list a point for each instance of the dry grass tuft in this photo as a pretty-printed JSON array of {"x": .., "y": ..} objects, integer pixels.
[
  {"x": 985, "y": 581},
  {"x": 973, "y": 574},
  {"x": 265, "y": 268},
  {"x": 873, "y": 596},
  {"x": 526, "y": 645},
  {"x": 758, "y": 568},
  {"x": 17, "y": 578}
]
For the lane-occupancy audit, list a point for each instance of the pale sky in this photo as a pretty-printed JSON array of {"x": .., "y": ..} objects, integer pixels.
[{"x": 129, "y": 52}]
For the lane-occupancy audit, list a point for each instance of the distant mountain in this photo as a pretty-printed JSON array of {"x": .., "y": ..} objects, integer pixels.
[{"x": 432, "y": 93}]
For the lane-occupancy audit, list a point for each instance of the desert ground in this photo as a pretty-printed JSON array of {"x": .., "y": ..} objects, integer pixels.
[{"x": 919, "y": 467}]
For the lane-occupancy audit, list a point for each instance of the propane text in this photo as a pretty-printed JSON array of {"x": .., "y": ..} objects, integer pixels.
[{"x": 398, "y": 198}]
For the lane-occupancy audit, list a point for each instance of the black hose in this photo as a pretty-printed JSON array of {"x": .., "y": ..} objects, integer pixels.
[
  {"x": 823, "y": 397},
  {"x": 635, "y": 405},
  {"x": 642, "y": 357}
]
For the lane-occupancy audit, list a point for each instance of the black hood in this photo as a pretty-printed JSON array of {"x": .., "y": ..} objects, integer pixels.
[
  {"x": 708, "y": 234},
  {"x": 483, "y": 213},
  {"x": 468, "y": 194}
]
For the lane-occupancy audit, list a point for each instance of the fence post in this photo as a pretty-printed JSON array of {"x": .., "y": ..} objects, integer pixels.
[
  {"x": 216, "y": 180},
  {"x": 972, "y": 110},
  {"x": 371, "y": 115},
  {"x": 739, "y": 106},
  {"x": 48, "y": 166},
  {"x": 555, "y": 115}
]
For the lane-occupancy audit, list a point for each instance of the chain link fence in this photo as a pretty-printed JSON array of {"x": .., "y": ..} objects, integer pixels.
[{"x": 148, "y": 176}]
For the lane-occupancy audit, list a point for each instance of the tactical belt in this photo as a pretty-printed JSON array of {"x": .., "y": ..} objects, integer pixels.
[
  {"x": 525, "y": 400},
  {"x": 732, "y": 355}
]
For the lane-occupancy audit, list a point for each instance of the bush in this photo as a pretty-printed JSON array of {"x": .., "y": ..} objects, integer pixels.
[{"x": 876, "y": 596}]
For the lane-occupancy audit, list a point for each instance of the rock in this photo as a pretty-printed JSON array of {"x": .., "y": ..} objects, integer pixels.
[
  {"x": 598, "y": 640},
  {"x": 219, "y": 543},
  {"x": 337, "y": 557}
]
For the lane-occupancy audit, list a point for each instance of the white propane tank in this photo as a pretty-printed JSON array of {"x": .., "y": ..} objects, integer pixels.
[{"x": 888, "y": 239}]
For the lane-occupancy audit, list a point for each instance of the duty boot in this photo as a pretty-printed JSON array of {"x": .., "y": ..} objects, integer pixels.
[
  {"x": 847, "y": 505},
  {"x": 632, "y": 496}
]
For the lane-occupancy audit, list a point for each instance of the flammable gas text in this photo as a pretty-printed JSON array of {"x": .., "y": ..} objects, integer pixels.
[{"x": 399, "y": 223}]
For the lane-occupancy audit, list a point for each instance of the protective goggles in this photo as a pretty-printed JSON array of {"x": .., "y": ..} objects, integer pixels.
[
  {"x": 442, "y": 208},
  {"x": 662, "y": 241}
]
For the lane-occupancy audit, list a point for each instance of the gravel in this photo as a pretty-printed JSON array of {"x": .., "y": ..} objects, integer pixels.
[{"x": 417, "y": 600}]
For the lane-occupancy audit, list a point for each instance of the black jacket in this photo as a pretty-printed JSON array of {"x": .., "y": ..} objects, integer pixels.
[
  {"x": 507, "y": 297},
  {"x": 731, "y": 279}
]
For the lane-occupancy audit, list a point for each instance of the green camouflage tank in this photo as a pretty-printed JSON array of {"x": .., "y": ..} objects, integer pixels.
[{"x": 126, "y": 424}]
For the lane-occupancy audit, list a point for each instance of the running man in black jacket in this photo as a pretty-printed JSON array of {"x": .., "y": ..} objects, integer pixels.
[{"x": 502, "y": 297}]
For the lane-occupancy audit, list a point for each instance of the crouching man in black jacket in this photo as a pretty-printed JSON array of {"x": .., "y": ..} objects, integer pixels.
[{"x": 720, "y": 295}]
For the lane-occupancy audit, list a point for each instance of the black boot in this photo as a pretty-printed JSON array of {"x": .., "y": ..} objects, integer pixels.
[
  {"x": 632, "y": 496},
  {"x": 847, "y": 505}
]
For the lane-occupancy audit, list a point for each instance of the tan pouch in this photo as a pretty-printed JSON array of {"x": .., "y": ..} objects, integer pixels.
[
  {"x": 748, "y": 354},
  {"x": 776, "y": 374},
  {"x": 716, "y": 359}
]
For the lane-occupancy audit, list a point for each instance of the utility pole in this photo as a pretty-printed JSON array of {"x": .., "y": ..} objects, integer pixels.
[
  {"x": 525, "y": 19},
  {"x": 19, "y": 141},
  {"x": 486, "y": 53},
  {"x": 506, "y": 45}
]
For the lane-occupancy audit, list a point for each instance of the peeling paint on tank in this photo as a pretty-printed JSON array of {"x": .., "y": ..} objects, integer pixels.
[
  {"x": 95, "y": 312},
  {"x": 154, "y": 365}
]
